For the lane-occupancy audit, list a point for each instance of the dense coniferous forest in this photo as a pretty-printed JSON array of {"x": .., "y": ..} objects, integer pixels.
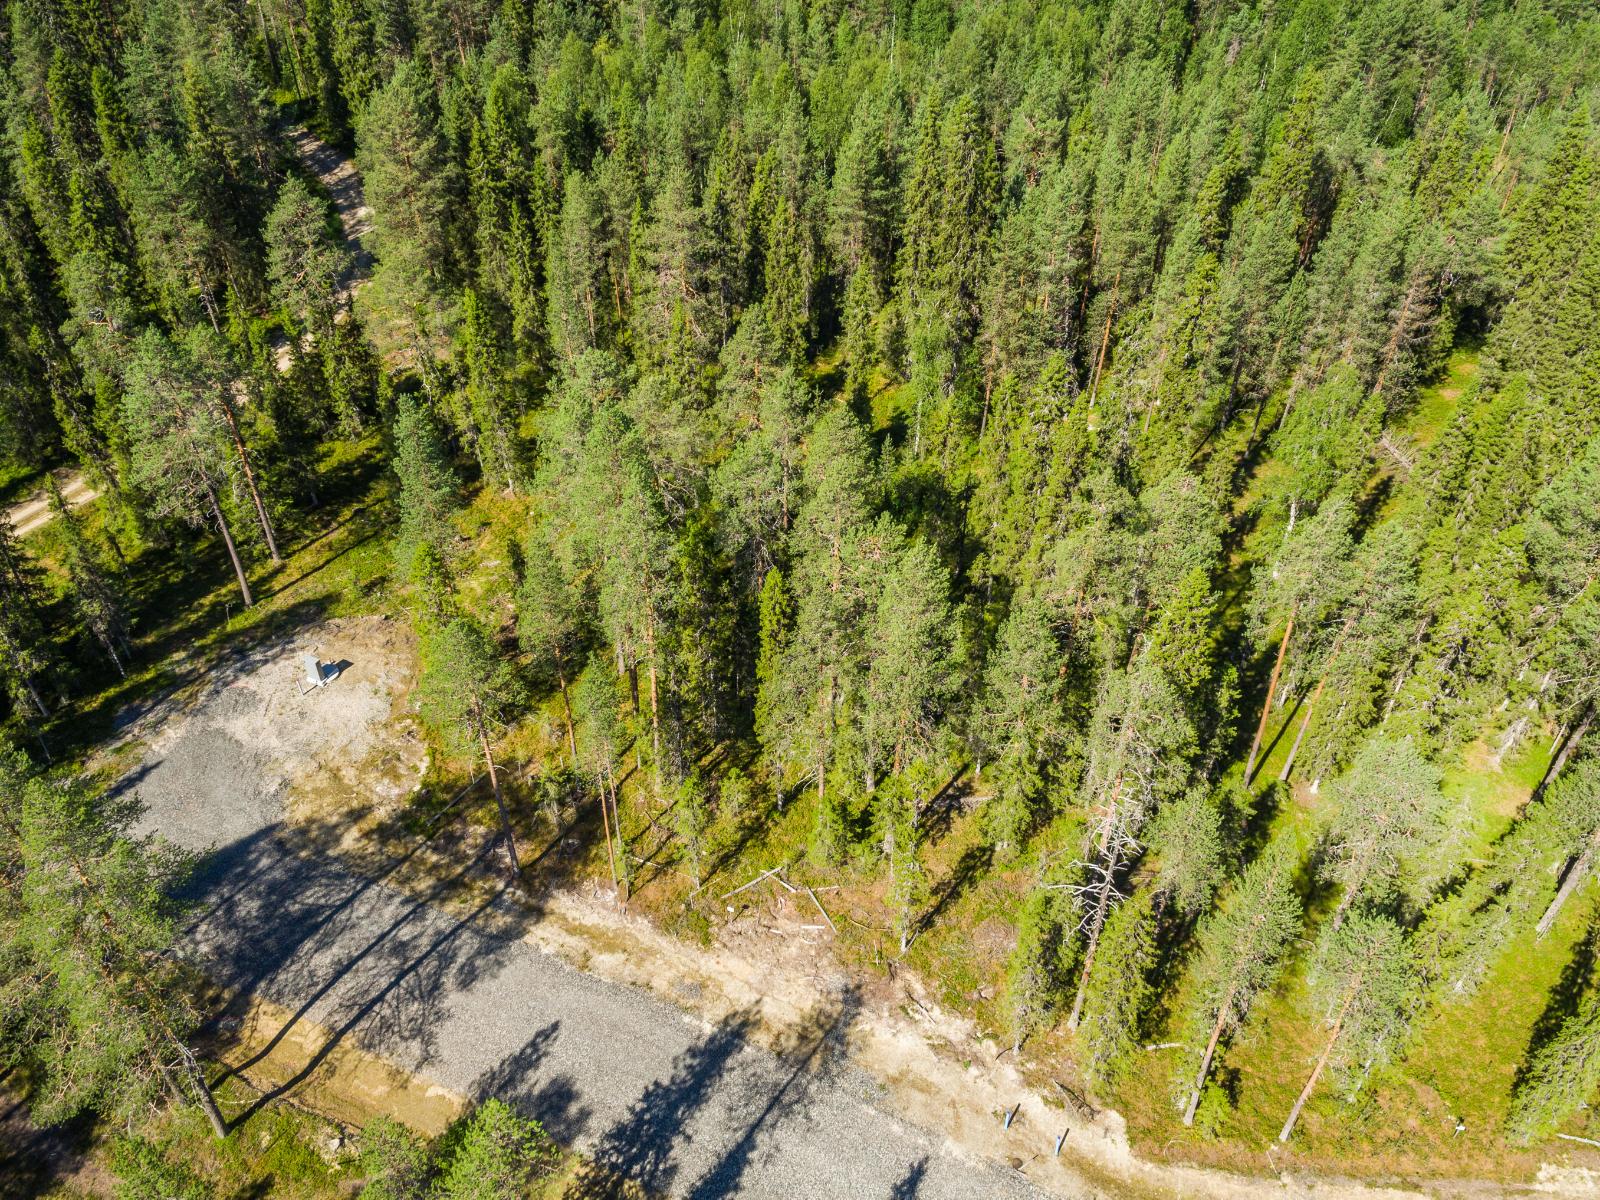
[{"x": 1166, "y": 433}]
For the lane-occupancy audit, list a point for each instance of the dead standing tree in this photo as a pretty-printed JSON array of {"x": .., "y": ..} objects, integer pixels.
[{"x": 1140, "y": 752}]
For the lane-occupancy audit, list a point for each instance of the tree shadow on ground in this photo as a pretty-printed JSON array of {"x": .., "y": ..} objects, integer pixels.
[
  {"x": 643, "y": 1146},
  {"x": 1577, "y": 979},
  {"x": 280, "y": 916},
  {"x": 34, "y": 1159},
  {"x": 553, "y": 1102},
  {"x": 909, "y": 1184},
  {"x": 644, "y": 1149},
  {"x": 818, "y": 1045},
  {"x": 973, "y": 864}
]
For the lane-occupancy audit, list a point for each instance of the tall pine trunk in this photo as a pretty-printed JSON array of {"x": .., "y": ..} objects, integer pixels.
[
  {"x": 513, "y": 861},
  {"x": 1205, "y": 1061},
  {"x": 1575, "y": 876},
  {"x": 1316, "y": 695},
  {"x": 622, "y": 845},
  {"x": 250, "y": 477},
  {"x": 227, "y": 538},
  {"x": 1266, "y": 707},
  {"x": 1565, "y": 752},
  {"x": 1316, "y": 1072},
  {"x": 203, "y": 1097},
  {"x": 605, "y": 823},
  {"x": 566, "y": 709},
  {"x": 1096, "y": 927}
]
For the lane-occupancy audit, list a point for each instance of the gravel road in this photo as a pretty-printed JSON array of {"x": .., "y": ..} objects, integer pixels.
[{"x": 459, "y": 996}]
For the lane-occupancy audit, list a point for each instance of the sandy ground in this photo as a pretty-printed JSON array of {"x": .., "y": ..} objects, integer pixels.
[
  {"x": 338, "y": 175},
  {"x": 35, "y": 511},
  {"x": 258, "y": 734},
  {"x": 249, "y": 750}
]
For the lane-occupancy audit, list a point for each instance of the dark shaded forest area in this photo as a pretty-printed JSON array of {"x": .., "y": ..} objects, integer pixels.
[{"x": 1177, "y": 422}]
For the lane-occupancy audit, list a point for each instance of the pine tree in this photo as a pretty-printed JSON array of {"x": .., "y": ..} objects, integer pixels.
[
  {"x": 1361, "y": 978},
  {"x": 1390, "y": 812},
  {"x": 497, "y": 1156},
  {"x": 97, "y": 916},
  {"x": 179, "y": 437},
  {"x": 825, "y": 655},
  {"x": 602, "y": 742},
  {"x": 310, "y": 270},
  {"x": 1242, "y": 949},
  {"x": 94, "y": 594},
  {"x": 467, "y": 691},
  {"x": 393, "y": 1160},
  {"x": 412, "y": 186},
  {"x": 550, "y": 625}
]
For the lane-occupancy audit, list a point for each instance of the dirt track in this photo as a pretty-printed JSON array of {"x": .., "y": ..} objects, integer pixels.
[{"x": 35, "y": 511}]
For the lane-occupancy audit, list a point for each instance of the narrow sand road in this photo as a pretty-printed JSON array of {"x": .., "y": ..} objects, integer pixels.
[{"x": 34, "y": 512}]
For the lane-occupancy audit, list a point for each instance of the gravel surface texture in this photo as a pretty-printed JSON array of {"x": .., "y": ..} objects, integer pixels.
[{"x": 457, "y": 994}]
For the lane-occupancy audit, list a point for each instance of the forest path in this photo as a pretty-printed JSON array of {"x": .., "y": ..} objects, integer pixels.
[
  {"x": 34, "y": 512},
  {"x": 338, "y": 175}
]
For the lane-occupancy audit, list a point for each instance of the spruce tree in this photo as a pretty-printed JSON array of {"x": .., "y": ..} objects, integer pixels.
[
  {"x": 94, "y": 593},
  {"x": 426, "y": 545}
]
